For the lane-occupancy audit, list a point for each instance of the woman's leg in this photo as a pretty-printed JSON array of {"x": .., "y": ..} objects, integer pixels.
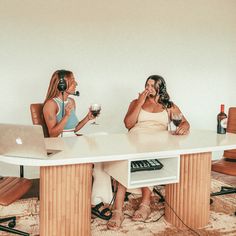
[
  {"x": 120, "y": 196},
  {"x": 101, "y": 191},
  {"x": 117, "y": 215},
  {"x": 144, "y": 209},
  {"x": 146, "y": 196}
]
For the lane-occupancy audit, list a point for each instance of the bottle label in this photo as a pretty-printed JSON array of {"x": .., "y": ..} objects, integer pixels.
[{"x": 223, "y": 123}]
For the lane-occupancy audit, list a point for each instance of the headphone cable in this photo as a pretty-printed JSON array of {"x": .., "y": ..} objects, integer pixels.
[{"x": 63, "y": 107}]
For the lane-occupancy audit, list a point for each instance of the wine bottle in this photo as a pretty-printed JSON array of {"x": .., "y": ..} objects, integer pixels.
[{"x": 221, "y": 120}]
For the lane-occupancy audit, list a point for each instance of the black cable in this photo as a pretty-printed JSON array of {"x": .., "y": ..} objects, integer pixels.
[
  {"x": 113, "y": 200},
  {"x": 22, "y": 171},
  {"x": 181, "y": 219},
  {"x": 157, "y": 218},
  {"x": 63, "y": 104},
  {"x": 178, "y": 216},
  {"x": 111, "y": 204},
  {"x": 63, "y": 107},
  {"x": 145, "y": 221}
]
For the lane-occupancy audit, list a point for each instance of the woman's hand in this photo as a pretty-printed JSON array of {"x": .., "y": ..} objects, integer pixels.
[
  {"x": 68, "y": 108},
  {"x": 90, "y": 115},
  {"x": 182, "y": 129},
  {"x": 142, "y": 97}
]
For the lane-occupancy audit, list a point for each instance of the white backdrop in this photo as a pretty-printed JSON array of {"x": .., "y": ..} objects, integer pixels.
[{"x": 112, "y": 47}]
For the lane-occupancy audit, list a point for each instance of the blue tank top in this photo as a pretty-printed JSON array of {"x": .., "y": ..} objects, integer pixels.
[{"x": 72, "y": 120}]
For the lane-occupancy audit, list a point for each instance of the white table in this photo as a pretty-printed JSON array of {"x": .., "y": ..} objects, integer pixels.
[{"x": 65, "y": 178}]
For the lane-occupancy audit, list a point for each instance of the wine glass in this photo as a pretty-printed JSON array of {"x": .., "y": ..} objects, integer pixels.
[
  {"x": 95, "y": 109},
  {"x": 176, "y": 119}
]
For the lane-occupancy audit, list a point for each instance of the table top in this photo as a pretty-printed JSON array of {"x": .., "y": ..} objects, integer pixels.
[{"x": 125, "y": 146}]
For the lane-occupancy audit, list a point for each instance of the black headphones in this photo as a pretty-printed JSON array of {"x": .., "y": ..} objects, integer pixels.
[{"x": 62, "y": 86}]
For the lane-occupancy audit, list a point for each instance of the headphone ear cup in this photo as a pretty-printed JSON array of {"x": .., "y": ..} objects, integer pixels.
[{"x": 62, "y": 86}]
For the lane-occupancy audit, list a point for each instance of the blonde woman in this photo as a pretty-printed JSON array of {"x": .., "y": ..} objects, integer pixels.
[
  {"x": 60, "y": 119},
  {"x": 57, "y": 120}
]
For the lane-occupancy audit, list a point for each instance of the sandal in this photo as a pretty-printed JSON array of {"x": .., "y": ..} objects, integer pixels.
[
  {"x": 142, "y": 213},
  {"x": 117, "y": 218},
  {"x": 100, "y": 212}
]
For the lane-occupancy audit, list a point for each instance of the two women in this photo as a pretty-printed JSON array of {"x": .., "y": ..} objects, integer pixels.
[{"x": 151, "y": 112}]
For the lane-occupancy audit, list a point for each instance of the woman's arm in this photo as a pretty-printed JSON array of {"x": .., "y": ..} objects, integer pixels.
[
  {"x": 84, "y": 121},
  {"x": 131, "y": 116},
  {"x": 49, "y": 112},
  {"x": 184, "y": 126}
]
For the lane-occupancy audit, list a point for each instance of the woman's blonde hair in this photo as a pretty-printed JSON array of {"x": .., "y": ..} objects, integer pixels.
[{"x": 52, "y": 88}]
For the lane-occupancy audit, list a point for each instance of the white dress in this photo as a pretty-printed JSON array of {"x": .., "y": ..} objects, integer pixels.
[{"x": 149, "y": 122}]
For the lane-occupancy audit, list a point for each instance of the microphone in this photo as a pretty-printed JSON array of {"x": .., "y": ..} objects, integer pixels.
[{"x": 77, "y": 93}]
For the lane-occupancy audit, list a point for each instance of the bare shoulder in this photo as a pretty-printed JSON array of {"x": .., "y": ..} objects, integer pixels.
[
  {"x": 133, "y": 102},
  {"x": 50, "y": 105}
]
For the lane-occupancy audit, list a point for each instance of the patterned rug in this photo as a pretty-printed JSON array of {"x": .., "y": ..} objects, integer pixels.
[{"x": 222, "y": 218}]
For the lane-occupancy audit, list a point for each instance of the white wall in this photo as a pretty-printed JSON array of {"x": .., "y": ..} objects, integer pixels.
[{"x": 112, "y": 47}]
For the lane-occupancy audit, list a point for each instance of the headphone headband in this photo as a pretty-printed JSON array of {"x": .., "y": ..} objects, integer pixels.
[{"x": 62, "y": 73}]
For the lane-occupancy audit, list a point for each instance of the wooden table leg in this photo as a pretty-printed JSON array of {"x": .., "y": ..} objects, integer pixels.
[
  {"x": 190, "y": 198},
  {"x": 65, "y": 200}
]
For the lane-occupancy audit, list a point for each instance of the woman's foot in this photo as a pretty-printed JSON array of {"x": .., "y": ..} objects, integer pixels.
[
  {"x": 142, "y": 213},
  {"x": 116, "y": 220}
]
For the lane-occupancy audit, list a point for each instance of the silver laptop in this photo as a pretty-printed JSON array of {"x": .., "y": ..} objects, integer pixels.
[{"x": 23, "y": 141}]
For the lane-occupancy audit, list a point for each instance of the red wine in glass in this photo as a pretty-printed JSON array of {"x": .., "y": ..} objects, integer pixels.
[
  {"x": 95, "y": 110},
  {"x": 177, "y": 119},
  {"x": 177, "y": 122}
]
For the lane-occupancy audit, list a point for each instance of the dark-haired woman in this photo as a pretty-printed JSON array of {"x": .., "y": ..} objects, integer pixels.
[{"x": 150, "y": 112}]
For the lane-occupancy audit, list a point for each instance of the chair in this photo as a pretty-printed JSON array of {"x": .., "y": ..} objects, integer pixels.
[
  {"x": 12, "y": 189},
  {"x": 227, "y": 165},
  {"x": 38, "y": 118}
]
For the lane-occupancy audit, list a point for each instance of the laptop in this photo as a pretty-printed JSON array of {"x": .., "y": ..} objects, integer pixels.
[{"x": 23, "y": 141}]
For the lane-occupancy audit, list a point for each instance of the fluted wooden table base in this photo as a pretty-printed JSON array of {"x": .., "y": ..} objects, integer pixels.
[
  {"x": 65, "y": 200},
  {"x": 190, "y": 198}
]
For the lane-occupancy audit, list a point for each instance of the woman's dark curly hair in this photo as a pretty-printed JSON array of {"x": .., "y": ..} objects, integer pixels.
[{"x": 160, "y": 87}]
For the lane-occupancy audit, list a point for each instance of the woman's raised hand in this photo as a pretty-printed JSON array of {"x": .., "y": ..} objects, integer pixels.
[
  {"x": 142, "y": 97},
  {"x": 68, "y": 108}
]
